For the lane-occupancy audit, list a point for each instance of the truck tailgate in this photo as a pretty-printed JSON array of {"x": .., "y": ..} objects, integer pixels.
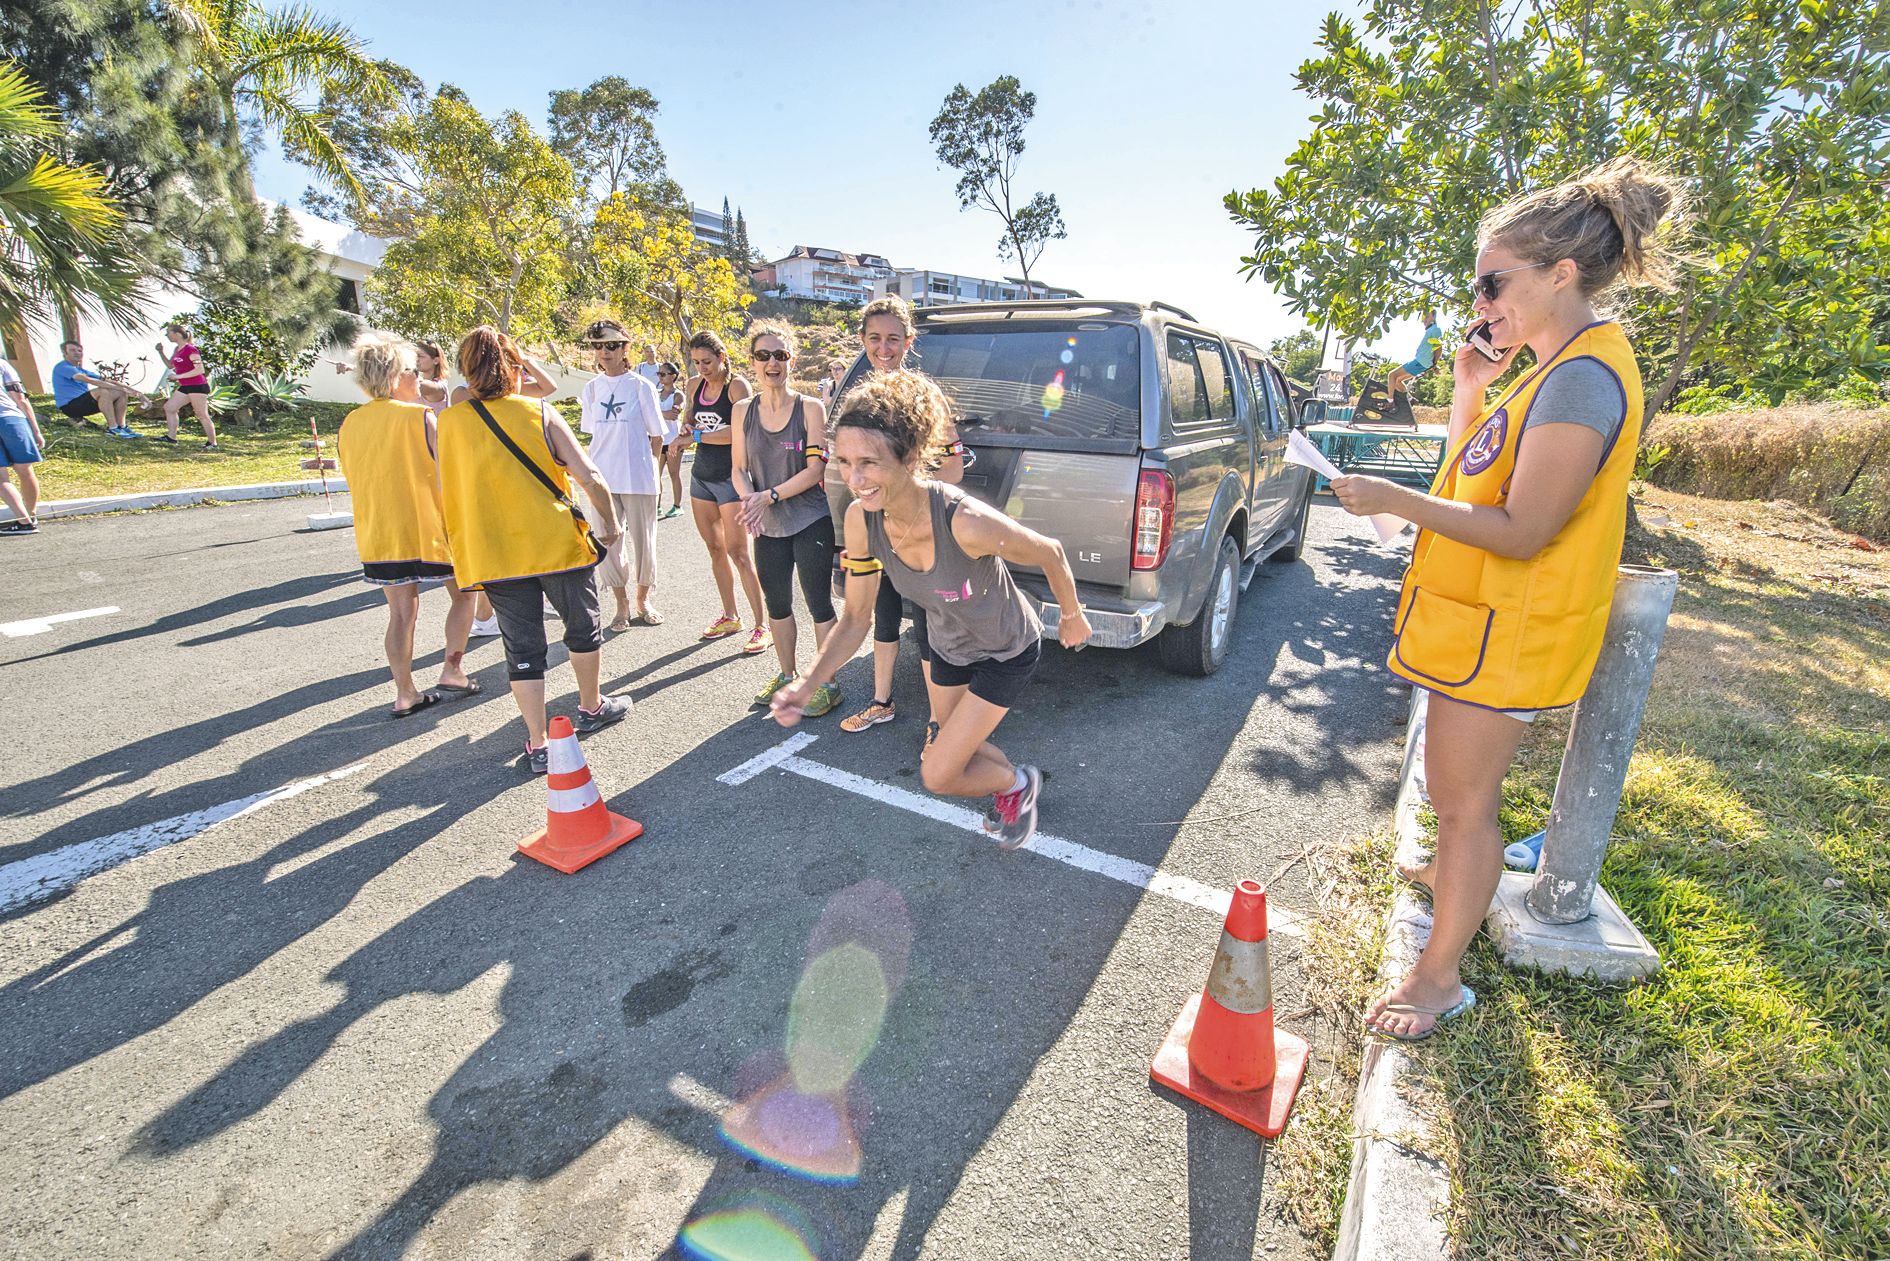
[{"x": 1084, "y": 500}]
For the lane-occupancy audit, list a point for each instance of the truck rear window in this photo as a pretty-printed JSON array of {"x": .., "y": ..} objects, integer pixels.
[{"x": 1073, "y": 382}]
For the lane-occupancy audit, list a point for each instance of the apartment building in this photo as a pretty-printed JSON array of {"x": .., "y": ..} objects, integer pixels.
[
  {"x": 810, "y": 271},
  {"x": 943, "y": 288}
]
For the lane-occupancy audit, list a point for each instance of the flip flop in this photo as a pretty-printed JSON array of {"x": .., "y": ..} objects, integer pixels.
[
  {"x": 453, "y": 691},
  {"x": 649, "y": 617},
  {"x": 619, "y": 626},
  {"x": 1466, "y": 999},
  {"x": 1397, "y": 873},
  {"x": 426, "y": 699}
]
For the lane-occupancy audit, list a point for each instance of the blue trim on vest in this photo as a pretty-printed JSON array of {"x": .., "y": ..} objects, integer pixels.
[{"x": 1608, "y": 449}]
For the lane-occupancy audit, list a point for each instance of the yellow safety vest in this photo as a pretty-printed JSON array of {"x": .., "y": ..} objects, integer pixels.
[
  {"x": 501, "y": 521},
  {"x": 1520, "y": 634},
  {"x": 394, "y": 482}
]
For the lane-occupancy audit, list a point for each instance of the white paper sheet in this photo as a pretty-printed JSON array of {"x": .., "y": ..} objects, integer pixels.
[{"x": 1301, "y": 450}]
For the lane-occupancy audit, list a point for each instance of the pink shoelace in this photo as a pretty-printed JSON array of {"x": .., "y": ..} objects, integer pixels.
[{"x": 1008, "y": 805}]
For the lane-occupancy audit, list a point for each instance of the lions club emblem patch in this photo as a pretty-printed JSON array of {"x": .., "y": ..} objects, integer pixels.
[{"x": 1487, "y": 443}]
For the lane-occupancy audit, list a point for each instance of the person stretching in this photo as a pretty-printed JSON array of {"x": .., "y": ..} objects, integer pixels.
[
  {"x": 780, "y": 474},
  {"x": 710, "y": 399},
  {"x": 79, "y": 394},
  {"x": 947, "y": 554}
]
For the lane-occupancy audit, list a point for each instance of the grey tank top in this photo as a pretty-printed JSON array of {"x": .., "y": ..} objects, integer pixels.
[
  {"x": 973, "y": 611},
  {"x": 773, "y": 458}
]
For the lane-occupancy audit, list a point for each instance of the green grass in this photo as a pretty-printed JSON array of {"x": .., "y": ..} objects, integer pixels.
[
  {"x": 1738, "y": 1103},
  {"x": 83, "y": 461}
]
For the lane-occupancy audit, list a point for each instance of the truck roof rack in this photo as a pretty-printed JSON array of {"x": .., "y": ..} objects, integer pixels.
[{"x": 1172, "y": 310}]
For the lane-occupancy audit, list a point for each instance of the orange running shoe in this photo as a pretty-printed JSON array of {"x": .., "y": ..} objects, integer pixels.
[
  {"x": 760, "y": 641},
  {"x": 871, "y": 716},
  {"x": 722, "y": 627}
]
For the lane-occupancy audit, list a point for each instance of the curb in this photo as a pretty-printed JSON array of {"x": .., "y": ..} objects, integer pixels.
[
  {"x": 1399, "y": 1193},
  {"x": 178, "y": 498}
]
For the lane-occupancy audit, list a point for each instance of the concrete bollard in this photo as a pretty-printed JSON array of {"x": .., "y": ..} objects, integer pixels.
[
  {"x": 1561, "y": 920},
  {"x": 1600, "y": 743}
]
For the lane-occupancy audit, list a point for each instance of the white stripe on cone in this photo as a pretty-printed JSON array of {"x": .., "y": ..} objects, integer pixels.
[
  {"x": 566, "y": 756},
  {"x": 566, "y": 800}
]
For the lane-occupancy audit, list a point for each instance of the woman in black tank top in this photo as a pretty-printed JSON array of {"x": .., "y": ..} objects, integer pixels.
[
  {"x": 946, "y": 553},
  {"x": 709, "y": 400}
]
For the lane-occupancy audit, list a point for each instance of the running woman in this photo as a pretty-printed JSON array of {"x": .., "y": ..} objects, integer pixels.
[
  {"x": 710, "y": 399},
  {"x": 390, "y": 448},
  {"x": 193, "y": 386},
  {"x": 946, "y": 553},
  {"x": 780, "y": 473},
  {"x": 886, "y": 333},
  {"x": 671, "y": 400}
]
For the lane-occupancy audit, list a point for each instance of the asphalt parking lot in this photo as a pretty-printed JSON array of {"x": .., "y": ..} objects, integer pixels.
[{"x": 345, "y": 1020}]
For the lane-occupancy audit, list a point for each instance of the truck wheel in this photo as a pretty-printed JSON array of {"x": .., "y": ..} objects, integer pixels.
[
  {"x": 1200, "y": 647},
  {"x": 1291, "y": 552}
]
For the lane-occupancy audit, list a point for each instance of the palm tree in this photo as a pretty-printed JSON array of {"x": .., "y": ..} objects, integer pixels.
[
  {"x": 62, "y": 247},
  {"x": 272, "y": 65}
]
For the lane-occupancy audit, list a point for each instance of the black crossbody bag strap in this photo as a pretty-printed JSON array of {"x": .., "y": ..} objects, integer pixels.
[{"x": 531, "y": 466}]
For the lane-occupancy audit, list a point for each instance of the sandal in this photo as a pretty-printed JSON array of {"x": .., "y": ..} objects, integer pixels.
[
  {"x": 426, "y": 699},
  {"x": 648, "y": 617},
  {"x": 1466, "y": 999},
  {"x": 472, "y": 688},
  {"x": 619, "y": 625}
]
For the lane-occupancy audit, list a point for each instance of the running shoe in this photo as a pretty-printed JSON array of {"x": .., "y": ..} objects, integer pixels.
[
  {"x": 674, "y": 510},
  {"x": 871, "y": 716},
  {"x": 211, "y": 446},
  {"x": 483, "y": 627},
  {"x": 1017, "y": 811},
  {"x": 170, "y": 438},
  {"x": 825, "y": 697},
  {"x": 610, "y": 709},
  {"x": 722, "y": 627},
  {"x": 19, "y": 527},
  {"x": 538, "y": 760},
  {"x": 760, "y": 641},
  {"x": 766, "y": 694}
]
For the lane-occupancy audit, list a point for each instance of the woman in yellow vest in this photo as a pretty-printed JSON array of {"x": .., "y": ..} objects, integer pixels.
[
  {"x": 506, "y": 466},
  {"x": 387, "y": 451},
  {"x": 1513, "y": 569}
]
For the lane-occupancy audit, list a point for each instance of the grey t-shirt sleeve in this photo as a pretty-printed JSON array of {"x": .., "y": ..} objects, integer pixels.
[{"x": 1580, "y": 392}]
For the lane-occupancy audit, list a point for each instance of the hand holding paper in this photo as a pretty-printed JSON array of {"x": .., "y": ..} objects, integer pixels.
[{"x": 1300, "y": 450}]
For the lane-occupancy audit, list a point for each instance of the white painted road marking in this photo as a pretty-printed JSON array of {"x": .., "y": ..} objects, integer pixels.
[
  {"x": 40, "y": 625},
  {"x": 784, "y": 756},
  {"x": 43, "y": 875}
]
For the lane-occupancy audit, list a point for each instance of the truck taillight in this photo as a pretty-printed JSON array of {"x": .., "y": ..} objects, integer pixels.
[{"x": 1154, "y": 519}]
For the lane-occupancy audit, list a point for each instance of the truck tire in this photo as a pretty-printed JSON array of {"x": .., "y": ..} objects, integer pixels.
[
  {"x": 1291, "y": 552},
  {"x": 1200, "y": 647}
]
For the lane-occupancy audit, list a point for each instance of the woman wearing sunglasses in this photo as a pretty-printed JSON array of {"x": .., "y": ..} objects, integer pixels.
[
  {"x": 1513, "y": 571},
  {"x": 780, "y": 473},
  {"x": 708, "y": 403}
]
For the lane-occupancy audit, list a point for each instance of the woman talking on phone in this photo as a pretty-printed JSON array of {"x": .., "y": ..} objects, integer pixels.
[
  {"x": 1513, "y": 570},
  {"x": 947, "y": 554}
]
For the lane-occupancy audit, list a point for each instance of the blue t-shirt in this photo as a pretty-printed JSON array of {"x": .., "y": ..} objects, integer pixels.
[
  {"x": 9, "y": 382},
  {"x": 65, "y": 386},
  {"x": 1427, "y": 347}
]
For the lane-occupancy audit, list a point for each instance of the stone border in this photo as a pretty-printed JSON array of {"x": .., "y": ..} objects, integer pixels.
[
  {"x": 178, "y": 498},
  {"x": 1399, "y": 1192}
]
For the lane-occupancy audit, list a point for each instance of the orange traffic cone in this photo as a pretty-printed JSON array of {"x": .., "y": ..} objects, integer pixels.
[
  {"x": 579, "y": 828},
  {"x": 1224, "y": 1051}
]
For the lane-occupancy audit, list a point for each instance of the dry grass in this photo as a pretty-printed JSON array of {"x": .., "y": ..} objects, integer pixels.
[
  {"x": 1734, "y": 1105},
  {"x": 1832, "y": 459}
]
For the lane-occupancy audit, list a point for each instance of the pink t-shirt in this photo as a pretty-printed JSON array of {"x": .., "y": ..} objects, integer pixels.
[{"x": 180, "y": 365}]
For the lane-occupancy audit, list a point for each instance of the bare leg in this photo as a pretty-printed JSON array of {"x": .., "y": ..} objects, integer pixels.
[
  {"x": 29, "y": 489},
  {"x": 529, "y": 695},
  {"x": 482, "y": 607},
  {"x": 709, "y": 526},
  {"x": 784, "y": 638},
  {"x": 962, "y": 762},
  {"x": 622, "y": 596},
  {"x": 588, "y": 666},
  {"x": 200, "y": 403},
  {"x": 643, "y": 597},
  {"x": 735, "y": 540},
  {"x": 403, "y": 608},
  {"x": 1467, "y": 751},
  {"x": 674, "y": 458},
  {"x": 11, "y": 495},
  {"x": 173, "y": 405},
  {"x": 459, "y": 616}
]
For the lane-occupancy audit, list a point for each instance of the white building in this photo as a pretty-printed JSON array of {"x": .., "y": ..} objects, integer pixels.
[
  {"x": 707, "y": 225},
  {"x": 944, "y": 288},
  {"x": 811, "y": 271}
]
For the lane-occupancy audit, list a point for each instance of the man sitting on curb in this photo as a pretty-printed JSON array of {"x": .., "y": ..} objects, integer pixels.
[{"x": 78, "y": 394}]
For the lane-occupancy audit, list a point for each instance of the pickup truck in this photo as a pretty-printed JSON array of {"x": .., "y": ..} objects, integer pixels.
[{"x": 1150, "y": 445}]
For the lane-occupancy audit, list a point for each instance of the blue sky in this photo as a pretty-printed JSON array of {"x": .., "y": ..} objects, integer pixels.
[{"x": 812, "y": 118}]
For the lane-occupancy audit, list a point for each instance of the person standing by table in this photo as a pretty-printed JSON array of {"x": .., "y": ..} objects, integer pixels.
[{"x": 1512, "y": 574}]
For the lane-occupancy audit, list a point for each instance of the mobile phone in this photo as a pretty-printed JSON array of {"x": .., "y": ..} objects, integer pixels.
[{"x": 1478, "y": 339}]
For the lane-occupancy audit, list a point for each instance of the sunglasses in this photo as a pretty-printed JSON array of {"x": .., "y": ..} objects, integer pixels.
[
  {"x": 608, "y": 345},
  {"x": 779, "y": 356},
  {"x": 1486, "y": 283}
]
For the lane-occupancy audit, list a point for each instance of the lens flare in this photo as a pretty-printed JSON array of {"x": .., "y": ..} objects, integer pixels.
[
  {"x": 1053, "y": 394},
  {"x": 800, "y": 1118},
  {"x": 754, "y": 1228}
]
